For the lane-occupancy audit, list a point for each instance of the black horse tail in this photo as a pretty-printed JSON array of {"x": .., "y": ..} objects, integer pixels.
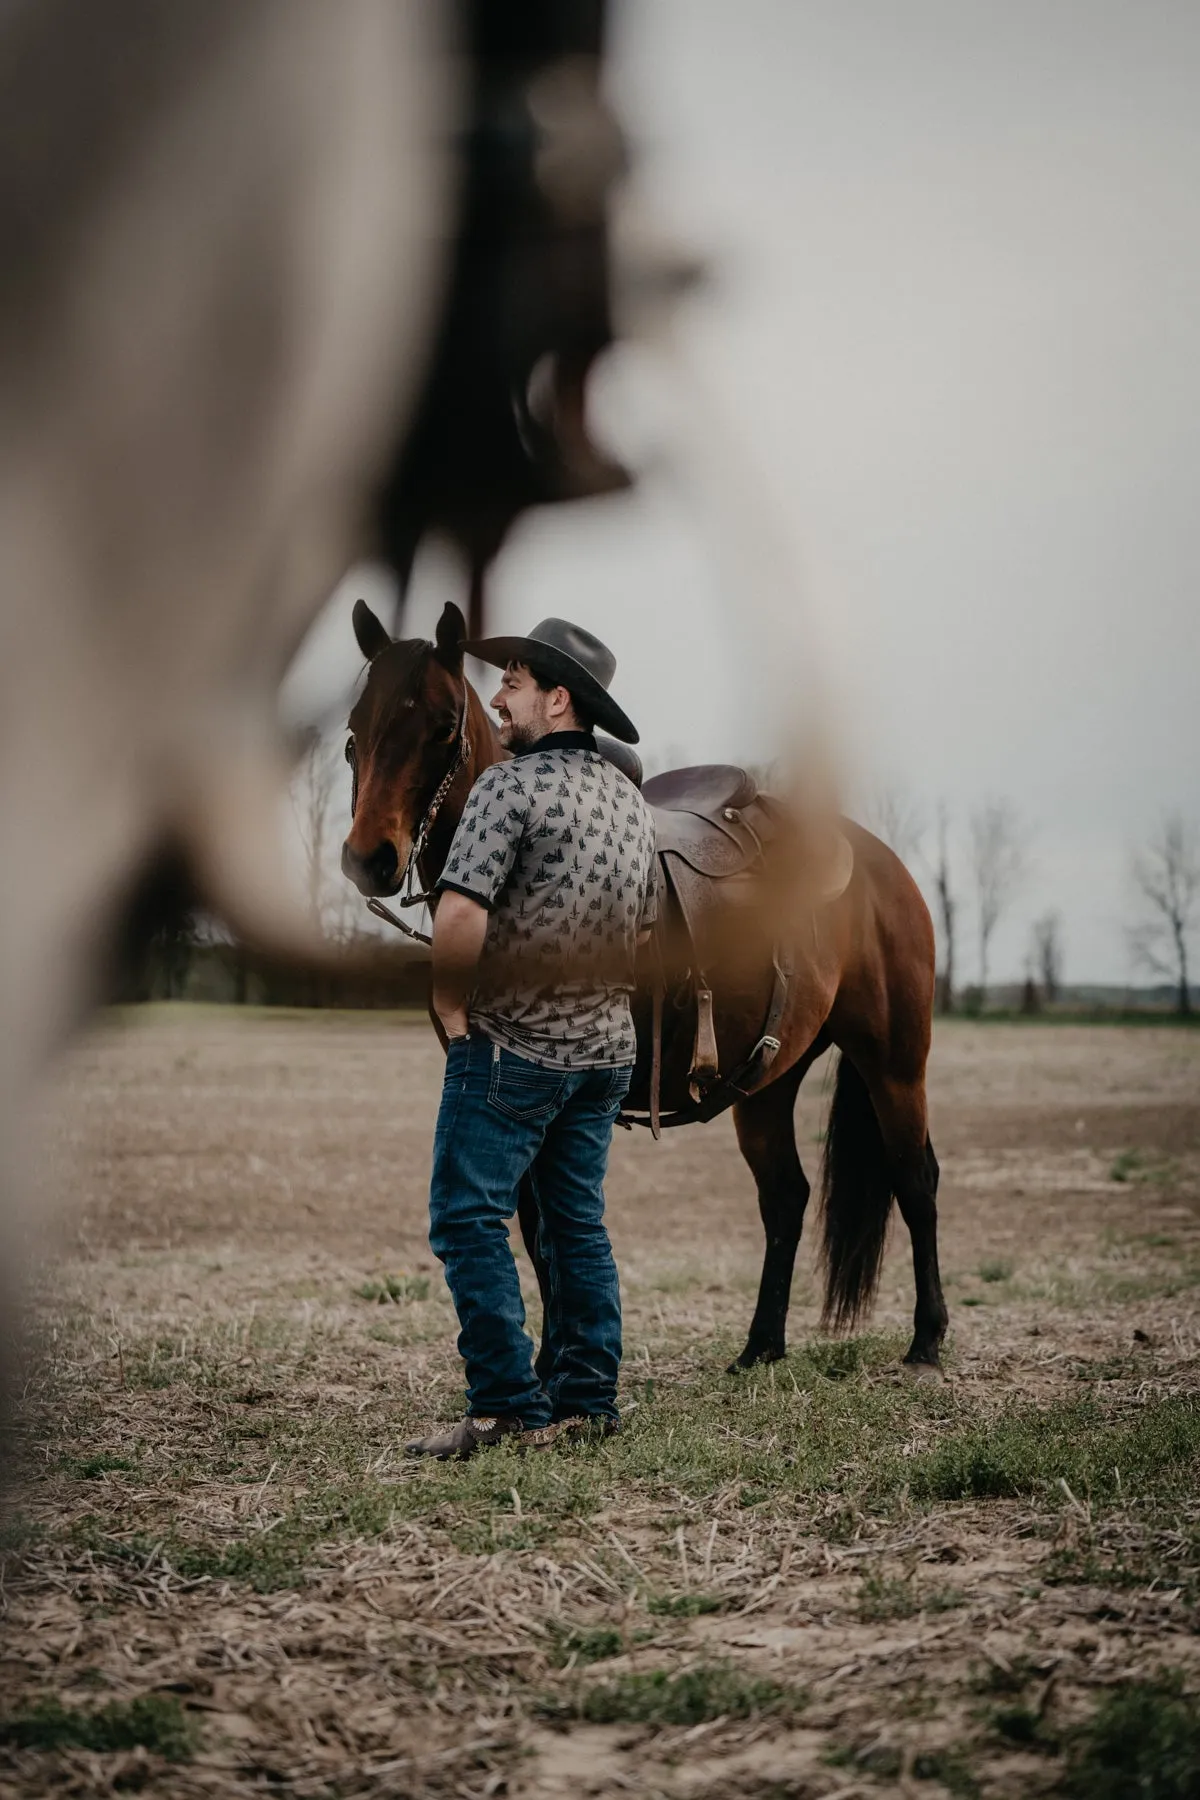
[{"x": 856, "y": 1197}]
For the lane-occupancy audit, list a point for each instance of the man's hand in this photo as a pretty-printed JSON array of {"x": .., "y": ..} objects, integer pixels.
[{"x": 459, "y": 928}]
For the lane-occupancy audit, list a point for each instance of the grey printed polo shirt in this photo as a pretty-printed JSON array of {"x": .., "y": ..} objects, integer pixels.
[{"x": 559, "y": 846}]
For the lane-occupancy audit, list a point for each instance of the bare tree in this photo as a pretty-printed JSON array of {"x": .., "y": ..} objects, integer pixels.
[
  {"x": 1046, "y": 953},
  {"x": 998, "y": 864},
  {"x": 947, "y": 907},
  {"x": 316, "y": 789},
  {"x": 1167, "y": 874},
  {"x": 898, "y": 819}
]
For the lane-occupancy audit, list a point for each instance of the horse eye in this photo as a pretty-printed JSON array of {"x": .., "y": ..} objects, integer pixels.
[
  {"x": 350, "y": 753},
  {"x": 445, "y": 733}
]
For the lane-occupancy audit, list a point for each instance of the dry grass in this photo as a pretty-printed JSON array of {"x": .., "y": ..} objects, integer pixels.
[{"x": 818, "y": 1579}]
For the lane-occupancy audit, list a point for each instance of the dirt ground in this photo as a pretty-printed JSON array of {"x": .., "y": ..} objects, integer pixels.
[{"x": 817, "y": 1579}]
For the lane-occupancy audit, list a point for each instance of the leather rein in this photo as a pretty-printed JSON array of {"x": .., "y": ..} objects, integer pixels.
[{"x": 406, "y": 894}]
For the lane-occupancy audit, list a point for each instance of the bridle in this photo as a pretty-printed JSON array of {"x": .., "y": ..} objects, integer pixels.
[{"x": 406, "y": 894}]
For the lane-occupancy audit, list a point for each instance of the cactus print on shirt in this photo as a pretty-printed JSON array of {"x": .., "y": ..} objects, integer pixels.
[{"x": 559, "y": 846}]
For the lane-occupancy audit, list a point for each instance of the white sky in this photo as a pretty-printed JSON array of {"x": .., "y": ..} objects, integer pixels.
[{"x": 933, "y": 432}]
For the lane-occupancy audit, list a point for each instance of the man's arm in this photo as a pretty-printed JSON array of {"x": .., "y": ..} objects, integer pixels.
[{"x": 459, "y": 928}]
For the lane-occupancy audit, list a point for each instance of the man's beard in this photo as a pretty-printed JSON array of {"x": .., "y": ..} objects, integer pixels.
[{"x": 522, "y": 737}]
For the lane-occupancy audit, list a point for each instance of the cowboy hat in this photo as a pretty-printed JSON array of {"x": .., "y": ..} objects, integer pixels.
[{"x": 565, "y": 653}]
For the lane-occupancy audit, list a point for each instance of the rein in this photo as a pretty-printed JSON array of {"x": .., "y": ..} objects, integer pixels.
[{"x": 405, "y": 893}]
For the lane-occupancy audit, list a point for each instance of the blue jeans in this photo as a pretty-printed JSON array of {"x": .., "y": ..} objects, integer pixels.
[{"x": 503, "y": 1117}]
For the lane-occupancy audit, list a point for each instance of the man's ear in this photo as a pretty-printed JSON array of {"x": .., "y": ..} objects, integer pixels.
[
  {"x": 372, "y": 638},
  {"x": 448, "y": 639}
]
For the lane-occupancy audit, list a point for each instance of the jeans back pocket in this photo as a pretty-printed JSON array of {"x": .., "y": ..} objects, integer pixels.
[
  {"x": 618, "y": 1089},
  {"x": 525, "y": 1090}
]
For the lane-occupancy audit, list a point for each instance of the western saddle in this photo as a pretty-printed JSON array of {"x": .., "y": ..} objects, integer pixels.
[
  {"x": 711, "y": 826},
  {"x": 714, "y": 830}
]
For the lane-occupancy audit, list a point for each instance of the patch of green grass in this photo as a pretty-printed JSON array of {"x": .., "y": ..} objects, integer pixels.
[
  {"x": 685, "y": 1606},
  {"x": 91, "y": 1468},
  {"x": 708, "y": 1691},
  {"x": 883, "y": 1597},
  {"x": 18, "y": 1532},
  {"x": 806, "y": 1433},
  {"x": 1031, "y": 1450},
  {"x": 836, "y": 1359},
  {"x": 155, "y": 1722},
  {"x": 1142, "y": 1741},
  {"x": 950, "y": 1768},
  {"x": 1141, "y": 1165},
  {"x": 942, "y": 1599},
  {"x": 585, "y": 1644},
  {"x": 996, "y": 1268},
  {"x": 265, "y": 1560},
  {"x": 1171, "y": 1562},
  {"x": 822, "y": 1428},
  {"x": 396, "y": 1288},
  {"x": 887, "y": 1597},
  {"x": 1020, "y": 1725}
]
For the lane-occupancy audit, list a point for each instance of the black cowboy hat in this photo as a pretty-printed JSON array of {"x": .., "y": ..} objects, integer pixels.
[{"x": 566, "y": 654}]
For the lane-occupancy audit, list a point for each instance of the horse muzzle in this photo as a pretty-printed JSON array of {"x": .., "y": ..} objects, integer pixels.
[{"x": 375, "y": 874}]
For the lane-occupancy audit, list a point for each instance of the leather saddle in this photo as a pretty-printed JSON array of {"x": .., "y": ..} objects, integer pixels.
[{"x": 712, "y": 825}]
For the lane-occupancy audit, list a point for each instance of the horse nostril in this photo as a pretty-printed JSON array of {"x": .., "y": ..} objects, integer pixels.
[
  {"x": 374, "y": 873},
  {"x": 383, "y": 865}
]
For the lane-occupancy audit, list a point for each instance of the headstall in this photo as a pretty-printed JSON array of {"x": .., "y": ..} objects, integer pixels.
[{"x": 405, "y": 894}]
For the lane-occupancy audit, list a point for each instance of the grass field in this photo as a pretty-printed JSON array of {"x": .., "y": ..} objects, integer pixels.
[{"x": 817, "y": 1579}]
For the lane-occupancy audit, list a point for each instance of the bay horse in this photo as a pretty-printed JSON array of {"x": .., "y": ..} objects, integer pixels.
[{"x": 862, "y": 981}]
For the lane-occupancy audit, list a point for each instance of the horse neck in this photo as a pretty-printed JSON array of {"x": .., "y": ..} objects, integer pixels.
[{"x": 486, "y": 749}]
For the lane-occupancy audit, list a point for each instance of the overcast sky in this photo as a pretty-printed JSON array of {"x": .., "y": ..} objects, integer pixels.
[{"x": 931, "y": 435}]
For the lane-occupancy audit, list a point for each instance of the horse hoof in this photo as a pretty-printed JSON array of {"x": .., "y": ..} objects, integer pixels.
[
  {"x": 923, "y": 1371},
  {"x": 752, "y": 1359}
]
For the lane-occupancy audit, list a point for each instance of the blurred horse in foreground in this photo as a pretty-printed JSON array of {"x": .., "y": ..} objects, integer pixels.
[
  {"x": 266, "y": 270},
  {"x": 767, "y": 952}
]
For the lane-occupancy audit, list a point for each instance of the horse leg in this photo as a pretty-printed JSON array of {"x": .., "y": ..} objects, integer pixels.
[
  {"x": 766, "y": 1133},
  {"x": 529, "y": 1218},
  {"x": 900, "y": 1106}
]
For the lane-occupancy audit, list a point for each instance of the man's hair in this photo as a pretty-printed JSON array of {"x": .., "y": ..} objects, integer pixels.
[{"x": 586, "y": 720}]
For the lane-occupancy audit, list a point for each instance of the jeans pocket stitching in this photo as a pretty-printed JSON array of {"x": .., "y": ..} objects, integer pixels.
[
  {"x": 541, "y": 1110},
  {"x": 618, "y": 1088}
]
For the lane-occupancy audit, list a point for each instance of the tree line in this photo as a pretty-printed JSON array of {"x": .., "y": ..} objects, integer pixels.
[{"x": 986, "y": 871}]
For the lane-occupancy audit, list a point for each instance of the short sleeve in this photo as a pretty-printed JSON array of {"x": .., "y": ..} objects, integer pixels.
[{"x": 489, "y": 832}]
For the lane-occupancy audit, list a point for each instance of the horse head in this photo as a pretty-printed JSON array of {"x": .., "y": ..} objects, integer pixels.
[{"x": 406, "y": 740}]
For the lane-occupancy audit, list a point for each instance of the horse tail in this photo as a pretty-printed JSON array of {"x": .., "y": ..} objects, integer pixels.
[{"x": 856, "y": 1198}]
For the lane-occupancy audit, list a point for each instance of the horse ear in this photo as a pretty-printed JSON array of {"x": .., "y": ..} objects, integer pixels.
[
  {"x": 448, "y": 639},
  {"x": 372, "y": 638}
]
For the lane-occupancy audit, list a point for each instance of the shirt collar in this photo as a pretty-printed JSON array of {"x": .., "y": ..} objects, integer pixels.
[{"x": 561, "y": 740}]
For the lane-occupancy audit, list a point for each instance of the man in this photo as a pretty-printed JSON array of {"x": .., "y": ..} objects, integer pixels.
[{"x": 548, "y": 887}]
